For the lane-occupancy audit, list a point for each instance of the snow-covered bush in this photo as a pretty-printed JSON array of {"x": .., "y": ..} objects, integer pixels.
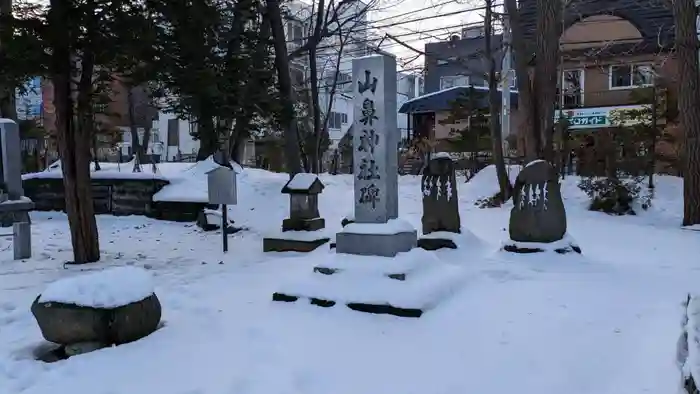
[
  {"x": 494, "y": 201},
  {"x": 618, "y": 195}
]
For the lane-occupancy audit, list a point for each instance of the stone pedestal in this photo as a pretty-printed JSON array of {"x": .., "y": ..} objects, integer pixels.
[
  {"x": 296, "y": 224},
  {"x": 386, "y": 240}
]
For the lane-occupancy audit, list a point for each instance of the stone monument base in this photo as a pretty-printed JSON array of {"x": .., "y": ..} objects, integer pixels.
[
  {"x": 562, "y": 246},
  {"x": 438, "y": 240},
  {"x": 295, "y": 241},
  {"x": 376, "y": 239},
  {"x": 407, "y": 285}
]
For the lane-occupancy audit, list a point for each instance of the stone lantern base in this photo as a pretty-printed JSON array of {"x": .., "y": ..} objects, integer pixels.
[{"x": 293, "y": 224}]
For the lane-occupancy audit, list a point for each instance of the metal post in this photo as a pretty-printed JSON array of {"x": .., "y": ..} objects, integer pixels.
[
  {"x": 654, "y": 132},
  {"x": 224, "y": 225},
  {"x": 560, "y": 128},
  {"x": 21, "y": 240},
  {"x": 506, "y": 79}
]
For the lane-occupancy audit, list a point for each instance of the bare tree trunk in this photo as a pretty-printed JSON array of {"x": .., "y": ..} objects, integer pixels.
[
  {"x": 73, "y": 142},
  {"x": 291, "y": 143},
  {"x": 136, "y": 147},
  {"x": 315, "y": 148},
  {"x": 494, "y": 118},
  {"x": 526, "y": 98},
  {"x": 689, "y": 105},
  {"x": 537, "y": 93},
  {"x": 546, "y": 63},
  {"x": 7, "y": 93},
  {"x": 95, "y": 159},
  {"x": 208, "y": 143},
  {"x": 238, "y": 138}
]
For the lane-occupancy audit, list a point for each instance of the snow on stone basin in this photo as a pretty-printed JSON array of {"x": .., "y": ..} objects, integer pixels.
[{"x": 110, "y": 288}]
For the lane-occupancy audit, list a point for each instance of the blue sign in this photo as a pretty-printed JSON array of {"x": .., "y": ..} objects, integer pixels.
[{"x": 29, "y": 103}]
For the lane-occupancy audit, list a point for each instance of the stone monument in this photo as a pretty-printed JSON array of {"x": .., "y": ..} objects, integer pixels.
[
  {"x": 538, "y": 217},
  {"x": 440, "y": 204},
  {"x": 14, "y": 206},
  {"x": 377, "y": 231}
]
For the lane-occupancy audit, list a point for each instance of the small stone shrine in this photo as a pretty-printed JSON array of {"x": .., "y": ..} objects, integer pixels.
[
  {"x": 301, "y": 231},
  {"x": 538, "y": 218},
  {"x": 440, "y": 204},
  {"x": 377, "y": 231}
]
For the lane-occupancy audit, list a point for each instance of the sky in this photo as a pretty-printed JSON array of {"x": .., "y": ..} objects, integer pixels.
[{"x": 401, "y": 18}]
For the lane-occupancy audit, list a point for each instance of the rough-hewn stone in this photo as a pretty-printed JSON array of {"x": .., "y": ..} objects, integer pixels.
[
  {"x": 440, "y": 202},
  {"x": 538, "y": 213},
  {"x": 67, "y": 324}
]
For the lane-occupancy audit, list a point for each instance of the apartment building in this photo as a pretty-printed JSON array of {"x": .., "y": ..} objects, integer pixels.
[
  {"x": 452, "y": 68},
  {"x": 612, "y": 53}
]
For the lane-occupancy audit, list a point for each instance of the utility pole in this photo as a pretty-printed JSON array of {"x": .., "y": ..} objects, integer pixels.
[
  {"x": 654, "y": 132},
  {"x": 507, "y": 81}
]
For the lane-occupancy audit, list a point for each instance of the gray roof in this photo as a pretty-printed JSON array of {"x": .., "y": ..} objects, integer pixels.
[
  {"x": 444, "y": 99},
  {"x": 653, "y": 18}
]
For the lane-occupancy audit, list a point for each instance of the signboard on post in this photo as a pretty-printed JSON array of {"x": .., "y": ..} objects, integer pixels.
[
  {"x": 221, "y": 183},
  {"x": 222, "y": 186}
]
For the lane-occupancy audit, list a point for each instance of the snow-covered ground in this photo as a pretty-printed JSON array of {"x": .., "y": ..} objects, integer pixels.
[{"x": 606, "y": 323}]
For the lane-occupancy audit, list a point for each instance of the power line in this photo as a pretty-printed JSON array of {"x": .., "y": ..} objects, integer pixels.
[
  {"x": 374, "y": 39},
  {"x": 415, "y": 11},
  {"x": 420, "y": 19}
]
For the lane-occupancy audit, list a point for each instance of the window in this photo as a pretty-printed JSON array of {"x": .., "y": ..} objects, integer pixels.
[
  {"x": 343, "y": 83},
  {"x": 452, "y": 81},
  {"x": 499, "y": 85},
  {"x": 337, "y": 119},
  {"x": 173, "y": 132},
  {"x": 411, "y": 87},
  {"x": 295, "y": 32},
  {"x": 573, "y": 88},
  {"x": 631, "y": 75},
  {"x": 297, "y": 77}
]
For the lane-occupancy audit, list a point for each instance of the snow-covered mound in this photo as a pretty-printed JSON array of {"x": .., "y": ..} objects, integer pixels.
[
  {"x": 190, "y": 185},
  {"x": 110, "y": 288}
]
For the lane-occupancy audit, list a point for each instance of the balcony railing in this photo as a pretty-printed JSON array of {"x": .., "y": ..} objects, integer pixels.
[{"x": 606, "y": 98}]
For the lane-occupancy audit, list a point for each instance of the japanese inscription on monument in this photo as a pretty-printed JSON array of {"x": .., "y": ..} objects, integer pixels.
[
  {"x": 375, "y": 140},
  {"x": 374, "y": 137}
]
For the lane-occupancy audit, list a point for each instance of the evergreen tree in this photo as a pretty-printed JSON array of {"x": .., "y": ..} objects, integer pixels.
[{"x": 215, "y": 68}]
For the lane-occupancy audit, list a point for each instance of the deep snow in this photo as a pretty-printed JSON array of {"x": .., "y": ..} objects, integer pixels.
[{"x": 603, "y": 323}]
